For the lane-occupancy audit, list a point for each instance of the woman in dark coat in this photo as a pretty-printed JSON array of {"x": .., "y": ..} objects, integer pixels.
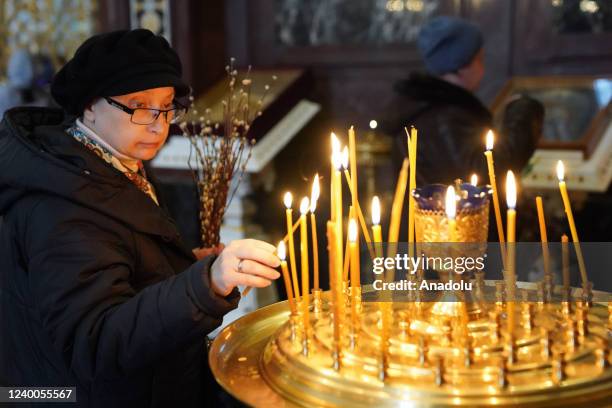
[{"x": 97, "y": 290}]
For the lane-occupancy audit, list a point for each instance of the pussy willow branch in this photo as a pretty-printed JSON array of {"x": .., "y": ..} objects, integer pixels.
[{"x": 221, "y": 156}]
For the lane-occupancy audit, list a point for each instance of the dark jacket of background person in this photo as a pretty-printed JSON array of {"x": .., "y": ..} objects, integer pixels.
[
  {"x": 97, "y": 290},
  {"x": 452, "y": 124}
]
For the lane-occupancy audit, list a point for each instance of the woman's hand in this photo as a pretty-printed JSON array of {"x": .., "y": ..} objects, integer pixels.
[
  {"x": 246, "y": 262},
  {"x": 204, "y": 252}
]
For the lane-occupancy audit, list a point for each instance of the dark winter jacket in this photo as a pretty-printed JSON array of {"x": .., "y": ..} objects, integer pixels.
[
  {"x": 452, "y": 124},
  {"x": 97, "y": 290}
]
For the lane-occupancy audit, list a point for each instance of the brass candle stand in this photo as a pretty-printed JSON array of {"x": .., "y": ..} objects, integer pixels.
[
  {"x": 558, "y": 359},
  {"x": 449, "y": 352}
]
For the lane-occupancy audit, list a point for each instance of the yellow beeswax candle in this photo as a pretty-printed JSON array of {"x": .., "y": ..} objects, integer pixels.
[
  {"x": 570, "y": 219},
  {"x": 511, "y": 228},
  {"x": 314, "y": 196},
  {"x": 288, "y": 200},
  {"x": 498, "y": 219},
  {"x": 281, "y": 251}
]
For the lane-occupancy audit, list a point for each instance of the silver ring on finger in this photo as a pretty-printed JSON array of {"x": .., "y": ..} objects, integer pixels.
[{"x": 239, "y": 268}]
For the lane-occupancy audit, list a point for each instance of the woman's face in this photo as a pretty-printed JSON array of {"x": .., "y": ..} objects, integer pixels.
[{"x": 141, "y": 142}]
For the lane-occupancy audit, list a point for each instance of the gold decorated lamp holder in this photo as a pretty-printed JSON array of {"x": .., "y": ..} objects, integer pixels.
[
  {"x": 471, "y": 230},
  {"x": 472, "y": 219}
]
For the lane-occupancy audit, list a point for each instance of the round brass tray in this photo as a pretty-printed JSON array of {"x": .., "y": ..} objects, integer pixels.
[
  {"x": 253, "y": 359},
  {"x": 235, "y": 354}
]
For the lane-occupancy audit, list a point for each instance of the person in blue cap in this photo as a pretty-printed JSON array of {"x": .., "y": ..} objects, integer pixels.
[{"x": 451, "y": 120}]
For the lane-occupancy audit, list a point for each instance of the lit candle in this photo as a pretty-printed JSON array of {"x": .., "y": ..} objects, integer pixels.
[
  {"x": 570, "y": 219},
  {"x": 376, "y": 229},
  {"x": 412, "y": 153},
  {"x": 451, "y": 211},
  {"x": 354, "y": 253},
  {"x": 314, "y": 196},
  {"x": 282, "y": 253},
  {"x": 565, "y": 262},
  {"x": 288, "y": 200},
  {"x": 335, "y": 146},
  {"x": 398, "y": 203},
  {"x": 382, "y": 306},
  {"x": 498, "y": 218},
  {"x": 511, "y": 228},
  {"x": 338, "y": 235},
  {"x": 474, "y": 180},
  {"x": 304, "y": 205},
  {"x": 344, "y": 160},
  {"x": 353, "y": 162},
  {"x": 543, "y": 236},
  {"x": 354, "y": 256}
]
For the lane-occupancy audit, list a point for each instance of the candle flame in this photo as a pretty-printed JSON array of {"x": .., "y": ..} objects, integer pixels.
[
  {"x": 288, "y": 200},
  {"x": 304, "y": 205},
  {"x": 451, "y": 203},
  {"x": 352, "y": 230},
  {"x": 560, "y": 170},
  {"x": 375, "y": 210},
  {"x": 373, "y": 124},
  {"x": 490, "y": 138},
  {"x": 474, "y": 180},
  {"x": 281, "y": 251},
  {"x": 314, "y": 195},
  {"x": 337, "y": 159},
  {"x": 510, "y": 190},
  {"x": 335, "y": 143},
  {"x": 345, "y": 157}
]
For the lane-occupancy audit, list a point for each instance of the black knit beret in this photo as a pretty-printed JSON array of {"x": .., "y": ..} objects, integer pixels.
[{"x": 117, "y": 63}]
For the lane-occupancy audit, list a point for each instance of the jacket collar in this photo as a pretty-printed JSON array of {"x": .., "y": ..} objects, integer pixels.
[{"x": 431, "y": 90}]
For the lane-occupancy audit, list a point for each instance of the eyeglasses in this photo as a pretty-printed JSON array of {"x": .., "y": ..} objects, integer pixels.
[{"x": 146, "y": 116}]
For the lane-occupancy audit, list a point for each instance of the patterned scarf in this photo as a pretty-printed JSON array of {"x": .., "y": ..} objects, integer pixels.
[{"x": 139, "y": 177}]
